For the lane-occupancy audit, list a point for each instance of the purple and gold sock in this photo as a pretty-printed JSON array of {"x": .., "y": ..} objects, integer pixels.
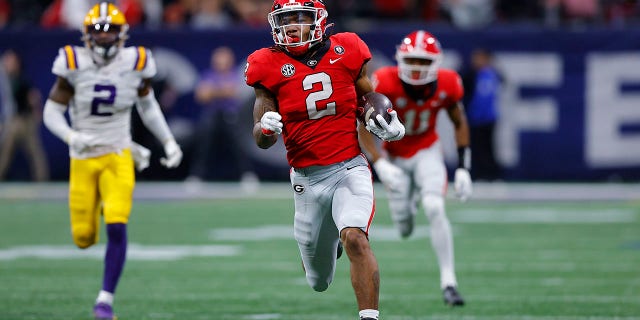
[{"x": 115, "y": 256}]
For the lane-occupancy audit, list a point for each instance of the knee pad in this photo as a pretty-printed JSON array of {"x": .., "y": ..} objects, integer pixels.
[
  {"x": 318, "y": 284},
  {"x": 319, "y": 280},
  {"x": 84, "y": 236},
  {"x": 433, "y": 206}
]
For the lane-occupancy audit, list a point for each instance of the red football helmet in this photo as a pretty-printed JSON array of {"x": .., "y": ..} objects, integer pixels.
[
  {"x": 419, "y": 56},
  {"x": 288, "y": 19}
]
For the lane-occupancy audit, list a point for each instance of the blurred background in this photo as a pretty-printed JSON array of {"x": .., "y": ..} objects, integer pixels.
[{"x": 569, "y": 97}]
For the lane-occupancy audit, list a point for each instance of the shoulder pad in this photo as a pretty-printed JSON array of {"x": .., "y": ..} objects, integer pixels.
[
  {"x": 140, "y": 60},
  {"x": 67, "y": 61}
]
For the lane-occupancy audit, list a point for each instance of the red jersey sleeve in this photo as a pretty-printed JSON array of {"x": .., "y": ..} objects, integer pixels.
[
  {"x": 382, "y": 79},
  {"x": 452, "y": 84},
  {"x": 255, "y": 71},
  {"x": 359, "y": 51}
]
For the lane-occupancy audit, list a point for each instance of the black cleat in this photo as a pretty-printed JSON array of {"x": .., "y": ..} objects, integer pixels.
[
  {"x": 368, "y": 319},
  {"x": 339, "y": 251},
  {"x": 452, "y": 297}
]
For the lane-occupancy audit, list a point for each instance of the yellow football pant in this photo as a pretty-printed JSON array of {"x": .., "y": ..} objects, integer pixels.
[{"x": 101, "y": 184}]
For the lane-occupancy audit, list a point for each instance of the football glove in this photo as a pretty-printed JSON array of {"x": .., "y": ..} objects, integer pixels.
[
  {"x": 173, "y": 154},
  {"x": 462, "y": 184},
  {"x": 271, "y": 123},
  {"x": 392, "y": 131},
  {"x": 79, "y": 141},
  {"x": 140, "y": 156},
  {"x": 388, "y": 173}
]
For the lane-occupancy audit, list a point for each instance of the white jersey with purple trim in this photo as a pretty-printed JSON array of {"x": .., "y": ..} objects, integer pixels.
[{"x": 103, "y": 95}]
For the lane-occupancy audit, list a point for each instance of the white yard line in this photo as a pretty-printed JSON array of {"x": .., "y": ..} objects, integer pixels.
[
  {"x": 134, "y": 252},
  {"x": 282, "y": 190},
  {"x": 543, "y": 215}
]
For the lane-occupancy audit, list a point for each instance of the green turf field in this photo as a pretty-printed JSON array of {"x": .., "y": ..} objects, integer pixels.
[{"x": 236, "y": 259}]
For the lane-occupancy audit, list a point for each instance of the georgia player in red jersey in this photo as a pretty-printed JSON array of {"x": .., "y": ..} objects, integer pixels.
[
  {"x": 414, "y": 170},
  {"x": 306, "y": 89}
]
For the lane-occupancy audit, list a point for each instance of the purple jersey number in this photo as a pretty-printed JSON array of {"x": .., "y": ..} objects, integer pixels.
[{"x": 106, "y": 101}]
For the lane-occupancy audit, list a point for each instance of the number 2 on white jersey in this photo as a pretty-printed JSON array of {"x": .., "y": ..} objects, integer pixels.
[{"x": 106, "y": 102}]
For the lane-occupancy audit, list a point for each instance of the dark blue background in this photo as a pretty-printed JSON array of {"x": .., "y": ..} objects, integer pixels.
[{"x": 545, "y": 156}]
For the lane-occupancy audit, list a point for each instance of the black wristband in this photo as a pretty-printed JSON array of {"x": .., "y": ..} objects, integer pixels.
[{"x": 464, "y": 158}]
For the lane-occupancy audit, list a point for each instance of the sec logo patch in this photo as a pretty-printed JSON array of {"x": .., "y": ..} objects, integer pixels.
[{"x": 288, "y": 70}]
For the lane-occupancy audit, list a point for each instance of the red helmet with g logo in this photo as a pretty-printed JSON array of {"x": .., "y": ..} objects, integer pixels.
[
  {"x": 290, "y": 19},
  {"x": 419, "y": 56}
]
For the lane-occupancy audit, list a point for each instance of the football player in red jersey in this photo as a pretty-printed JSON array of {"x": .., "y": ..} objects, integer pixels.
[
  {"x": 413, "y": 170},
  {"x": 306, "y": 89}
]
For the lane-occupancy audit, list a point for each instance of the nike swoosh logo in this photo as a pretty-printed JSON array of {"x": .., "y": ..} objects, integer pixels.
[{"x": 332, "y": 61}]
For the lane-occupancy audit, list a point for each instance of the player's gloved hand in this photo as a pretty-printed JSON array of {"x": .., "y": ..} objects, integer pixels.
[
  {"x": 392, "y": 131},
  {"x": 79, "y": 141},
  {"x": 462, "y": 184},
  {"x": 271, "y": 123},
  {"x": 140, "y": 156},
  {"x": 173, "y": 154},
  {"x": 388, "y": 173}
]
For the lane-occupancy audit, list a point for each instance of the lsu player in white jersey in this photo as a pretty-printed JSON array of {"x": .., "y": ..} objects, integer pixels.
[{"x": 99, "y": 84}]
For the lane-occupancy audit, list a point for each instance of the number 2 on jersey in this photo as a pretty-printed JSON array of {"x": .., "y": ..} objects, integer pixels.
[
  {"x": 106, "y": 102},
  {"x": 314, "y": 97}
]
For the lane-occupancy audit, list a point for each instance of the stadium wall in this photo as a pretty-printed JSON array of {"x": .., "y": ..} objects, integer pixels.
[{"x": 570, "y": 107}]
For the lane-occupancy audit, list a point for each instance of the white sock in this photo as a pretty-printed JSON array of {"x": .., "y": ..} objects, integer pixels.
[
  {"x": 369, "y": 313},
  {"x": 441, "y": 238},
  {"x": 105, "y": 297}
]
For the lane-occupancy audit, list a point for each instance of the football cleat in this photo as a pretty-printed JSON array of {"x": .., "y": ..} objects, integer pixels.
[
  {"x": 368, "y": 319},
  {"x": 339, "y": 251},
  {"x": 452, "y": 297},
  {"x": 103, "y": 311}
]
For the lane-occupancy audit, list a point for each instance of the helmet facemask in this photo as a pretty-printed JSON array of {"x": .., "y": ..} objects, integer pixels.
[
  {"x": 297, "y": 27},
  {"x": 418, "y": 70},
  {"x": 105, "y": 39}
]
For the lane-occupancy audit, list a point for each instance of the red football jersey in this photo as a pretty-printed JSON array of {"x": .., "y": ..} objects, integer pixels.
[
  {"x": 316, "y": 98},
  {"x": 418, "y": 114}
]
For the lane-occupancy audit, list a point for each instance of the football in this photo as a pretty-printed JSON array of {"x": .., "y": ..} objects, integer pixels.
[{"x": 372, "y": 104}]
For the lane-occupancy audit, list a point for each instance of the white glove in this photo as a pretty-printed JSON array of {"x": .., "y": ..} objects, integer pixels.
[
  {"x": 271, "y": 123},
  {"x": 140, "y": 156},
  {"x": 79, "y": 141},
  {"x": 391, "y": 131},
  {"x": 462, "y": 184},
  {"x": 388, "y": 173},
  {"x": 173, "y": 154}
]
